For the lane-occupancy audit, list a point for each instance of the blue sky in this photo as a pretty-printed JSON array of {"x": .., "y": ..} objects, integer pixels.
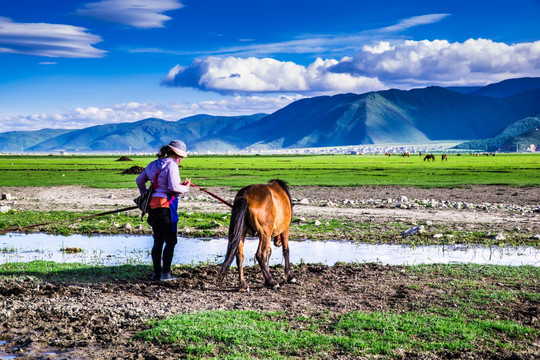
[{"x": 74, "y": 64}]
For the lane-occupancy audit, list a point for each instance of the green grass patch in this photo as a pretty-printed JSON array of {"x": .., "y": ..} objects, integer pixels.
[
  {"x": 525, "y": 275},
  {"x": 66, "y": 222},
  {"x": 74, "y": 272},
  {"x": 250, "y": 334},
  {"x": 237, "y": 171},
  {"x": 203, "y": 224}
]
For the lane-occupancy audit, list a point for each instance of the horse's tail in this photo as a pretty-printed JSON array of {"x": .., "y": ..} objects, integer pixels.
[{"x": 236, "y": 228}]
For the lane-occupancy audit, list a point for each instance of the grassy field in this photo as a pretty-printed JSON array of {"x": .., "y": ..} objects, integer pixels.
[{"x": 238, "y": 171}]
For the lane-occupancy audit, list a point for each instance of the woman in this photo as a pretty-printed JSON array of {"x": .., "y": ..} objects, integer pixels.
[{"x": 163, "y": 214}]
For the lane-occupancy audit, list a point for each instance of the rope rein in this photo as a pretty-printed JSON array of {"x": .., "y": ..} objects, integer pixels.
[{"x": 213, "y": 195}]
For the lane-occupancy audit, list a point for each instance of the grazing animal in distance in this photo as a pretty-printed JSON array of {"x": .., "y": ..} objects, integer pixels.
[
  {"x": 406, "y": 154},
  {"x": 263, "y": 210},
  {"x": 387, "y": 154},
  {"x": 429, "y": 157},
  {"x": 444, "y": 157}
]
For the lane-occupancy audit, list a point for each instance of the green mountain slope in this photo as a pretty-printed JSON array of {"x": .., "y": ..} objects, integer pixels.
[
  {"x": 391, "y": 116},
  {"x": 508, "y": 87},
  {"x": 143, "y": 135},
  {"x": 523, "y": 133},
  {"x": 15, "y": 141},
  {"x": 522, "y": 142}
]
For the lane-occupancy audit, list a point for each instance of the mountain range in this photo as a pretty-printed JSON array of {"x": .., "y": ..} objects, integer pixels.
[{"x": 389, "y": 116}]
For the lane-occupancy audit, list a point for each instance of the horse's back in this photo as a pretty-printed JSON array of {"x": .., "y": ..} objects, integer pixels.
[{"x": 269, "y": 207}]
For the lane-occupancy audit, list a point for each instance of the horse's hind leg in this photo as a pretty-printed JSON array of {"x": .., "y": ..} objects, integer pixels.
[
  {"x": 288, "y": 272},
  {"x": 263, "y": 257},
  {"x": 240, "y": 262}
]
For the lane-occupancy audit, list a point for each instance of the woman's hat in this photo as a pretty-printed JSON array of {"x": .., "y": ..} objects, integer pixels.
[{"x": 178, "y": 147}]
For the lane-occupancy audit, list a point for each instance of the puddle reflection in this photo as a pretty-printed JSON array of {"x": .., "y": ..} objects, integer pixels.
[{"x": 135, "y": 249}]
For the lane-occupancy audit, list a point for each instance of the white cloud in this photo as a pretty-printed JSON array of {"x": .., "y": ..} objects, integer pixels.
[
  {"x": 320, "y": 44},
  {"x": 79, "y": 118},
  {"x": 144, "y": 14},
  {"x": 439, "y": 62},
  {"x": 414, "y": 21},
  {"x": 253, "y": 75},
  {"x": 50, "y": 40},
  {"x": 403, "y": 64}
]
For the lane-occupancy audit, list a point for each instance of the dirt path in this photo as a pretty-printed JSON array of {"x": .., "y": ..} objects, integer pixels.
[{"x": 481, "y": 208}]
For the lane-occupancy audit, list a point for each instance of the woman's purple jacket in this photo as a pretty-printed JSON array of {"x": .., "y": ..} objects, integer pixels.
[{"x": 168, "y": 181}]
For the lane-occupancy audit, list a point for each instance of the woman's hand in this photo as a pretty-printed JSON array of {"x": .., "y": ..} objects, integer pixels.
[{"x": 187, "y": 182}]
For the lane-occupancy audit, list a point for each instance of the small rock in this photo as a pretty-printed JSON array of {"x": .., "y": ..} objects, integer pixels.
[
  {"x": 402, "y": 199},
  {"x": 429, "y": 222},
  {"x": 7, "y": 197},
  {"x": 414, "y": 230},
  {"x": 536, "y": 237},
  {"x": 438, "y": 236},
  {"x": 499, "y": 236},
  {"x": 304, "y": 201},
  {"x": 215, "y": 224},
  {"x": 127, "y": 227},
  {"x": 4, "y": 209},
  {"x": 317, "y": 223}
]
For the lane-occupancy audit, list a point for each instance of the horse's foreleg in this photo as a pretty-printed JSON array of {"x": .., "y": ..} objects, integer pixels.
[
  {"x": 263, "y": 257},
  {"x": 288, "y": 272},
  {"x": 240, "y": 263}
]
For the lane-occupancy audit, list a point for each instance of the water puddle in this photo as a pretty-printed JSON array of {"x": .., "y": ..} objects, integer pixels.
[{"x": 135, "y": 249}]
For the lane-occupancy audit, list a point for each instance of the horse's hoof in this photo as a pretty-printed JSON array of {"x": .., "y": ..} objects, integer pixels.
[
  {"x": 243, "y": 288},
  {"x": 273, "y": 285}
]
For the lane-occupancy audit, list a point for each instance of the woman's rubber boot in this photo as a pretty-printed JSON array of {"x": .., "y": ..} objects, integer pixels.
[
  {"x": 155, "y": 276},
  {"x": 168, "y": 276}
]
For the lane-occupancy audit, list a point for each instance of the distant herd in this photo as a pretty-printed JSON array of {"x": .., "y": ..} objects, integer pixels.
[{"x": 431, "y": 157}]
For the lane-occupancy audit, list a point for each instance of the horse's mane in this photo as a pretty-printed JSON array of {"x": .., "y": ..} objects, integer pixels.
[{"x": 283, "y": 184}]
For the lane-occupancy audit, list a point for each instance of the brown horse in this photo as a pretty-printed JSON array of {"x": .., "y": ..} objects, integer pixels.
[
  {"x": 429, "y": 157},
  {"x": 263, "y": 210},
  {"x": 406, "y": 154},
  {"x": 444, "y": 157}
]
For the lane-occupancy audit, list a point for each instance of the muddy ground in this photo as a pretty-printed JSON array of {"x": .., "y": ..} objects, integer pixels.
[
  {"x": 44, "y": 320},
  {"x": 41, "y": 319}
]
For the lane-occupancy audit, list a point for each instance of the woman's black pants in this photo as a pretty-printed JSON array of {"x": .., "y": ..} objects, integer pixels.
[{"x": 163, "y": 233}]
